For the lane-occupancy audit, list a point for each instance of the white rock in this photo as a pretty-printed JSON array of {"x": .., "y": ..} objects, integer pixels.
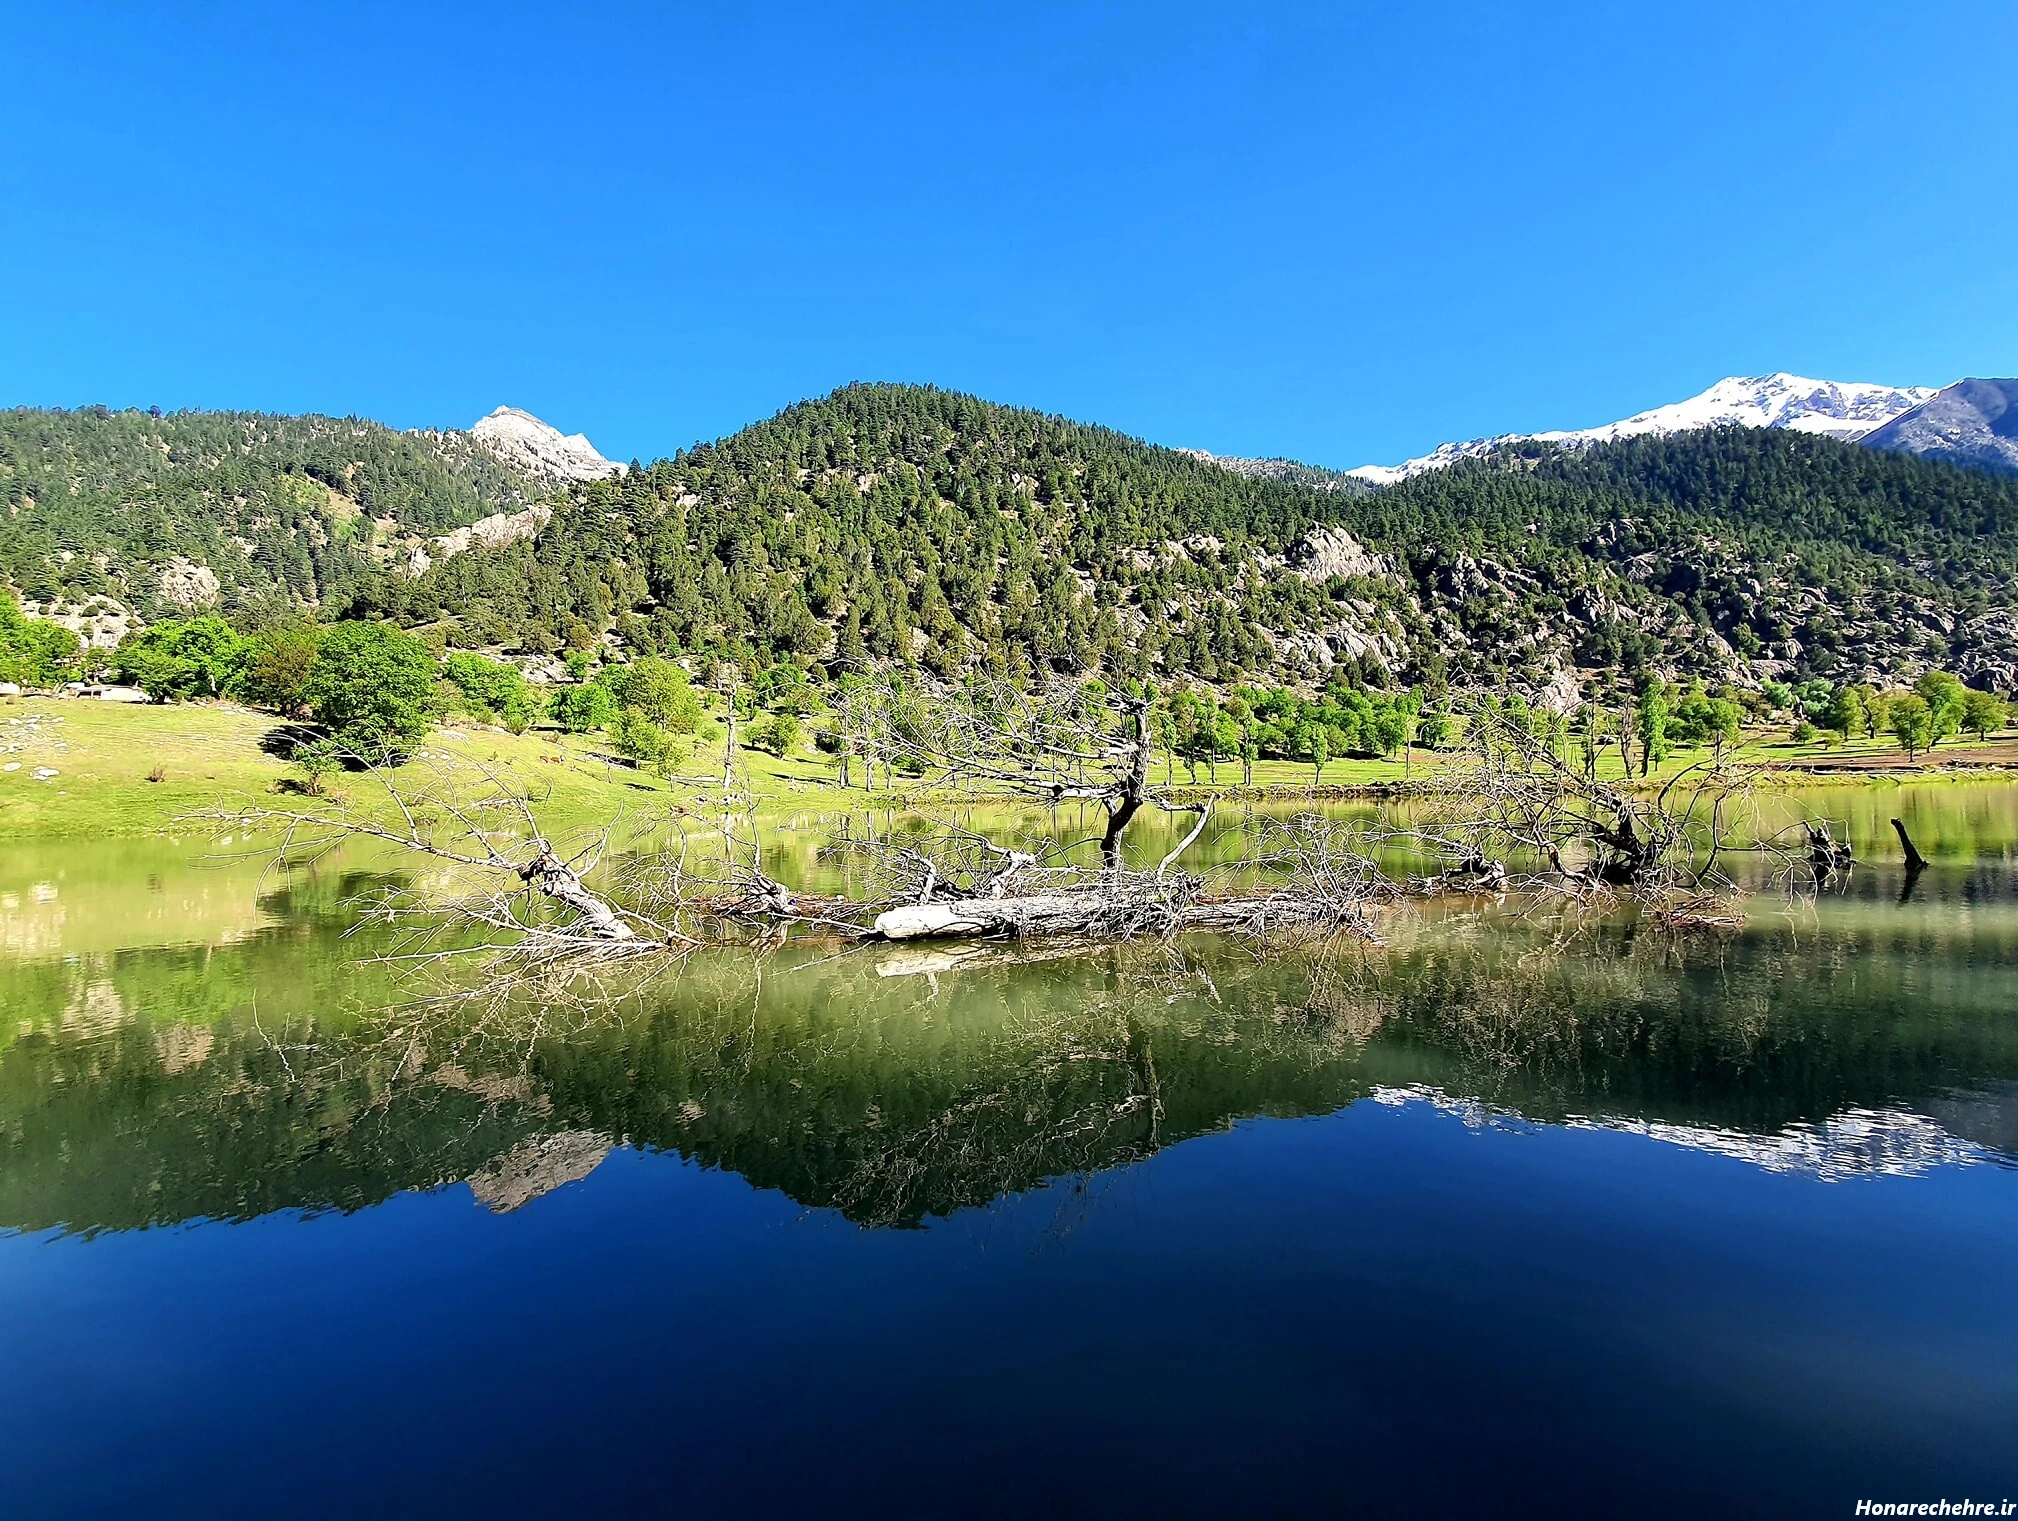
[
  {"x": 493, "y": 532},
  {"x": 187, "y": 585},
  {"x": 521, "y": 439}
]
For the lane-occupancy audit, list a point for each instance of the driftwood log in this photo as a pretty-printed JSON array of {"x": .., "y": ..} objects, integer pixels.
[
  {"x": 1120, "y": 916},
  {"x": 1015, "y": 917}
]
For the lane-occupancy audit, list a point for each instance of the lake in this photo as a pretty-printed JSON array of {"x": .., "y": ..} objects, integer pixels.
[{"x": 1488, "y": 1219}]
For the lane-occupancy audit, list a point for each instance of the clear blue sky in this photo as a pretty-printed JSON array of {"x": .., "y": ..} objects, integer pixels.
[{"x": 1339, "y": 233}]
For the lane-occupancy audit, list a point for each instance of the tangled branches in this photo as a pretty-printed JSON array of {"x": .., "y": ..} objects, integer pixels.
[
  {"x": 1524, "y": 819},
  {"x": 495, "y": 888},
  {"x": 1062, "y": 742},
  {"x": 1519, "y": 821}
]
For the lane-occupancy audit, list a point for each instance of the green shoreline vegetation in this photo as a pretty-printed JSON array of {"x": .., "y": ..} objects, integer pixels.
[{"x": 77, "y": 767}]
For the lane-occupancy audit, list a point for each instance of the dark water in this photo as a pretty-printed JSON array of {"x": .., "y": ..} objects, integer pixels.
[{"x": 1478, "y": 1223}]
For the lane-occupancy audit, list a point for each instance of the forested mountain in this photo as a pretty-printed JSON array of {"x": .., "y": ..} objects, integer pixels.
[
  {"x": 906, "y": 524},
  {"x": 146, "y": 513},
  {"x": 891, "y": 523}
]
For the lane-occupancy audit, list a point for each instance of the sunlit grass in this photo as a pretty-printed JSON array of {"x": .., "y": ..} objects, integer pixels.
[{"x": 124, "y": 770}]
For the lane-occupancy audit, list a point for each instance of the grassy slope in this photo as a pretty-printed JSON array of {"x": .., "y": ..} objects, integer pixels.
[{"x": 207, "y": 757}]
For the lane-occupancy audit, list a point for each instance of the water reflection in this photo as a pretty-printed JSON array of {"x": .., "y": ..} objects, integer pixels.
[{"x": 271, "y": 1073}]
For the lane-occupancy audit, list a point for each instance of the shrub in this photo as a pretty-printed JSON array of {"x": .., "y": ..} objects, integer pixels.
[
  {"x": 315, "y": 761},
  {"x": 778, "y": 733},
  {"x": 493, "y": 690}
]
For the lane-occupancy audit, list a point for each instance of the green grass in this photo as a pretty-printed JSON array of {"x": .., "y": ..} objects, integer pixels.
[
  {"x": 131, "y": 770},
  {"x": 206, "y": 757}
]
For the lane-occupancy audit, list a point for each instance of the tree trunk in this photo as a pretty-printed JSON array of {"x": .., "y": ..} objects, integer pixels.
[
  {"x": 1914, "y": 860},
  {"x": 981, "y": 917},
  {"x": 1133, "y": 789},
  {"x": 1113, "y": 917},
  {"x": 548, "y": 874}
]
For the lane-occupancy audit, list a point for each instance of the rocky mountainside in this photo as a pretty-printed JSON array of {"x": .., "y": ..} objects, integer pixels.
[
  {"x": 1972, "y": 422},
  {"x": 903, "y": 524},
  {"x": 908, "y": 525}
]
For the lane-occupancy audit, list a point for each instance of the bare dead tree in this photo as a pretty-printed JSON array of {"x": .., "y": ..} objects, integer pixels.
[
  {"x": 1521, "y": 818},
  {"x": 1061, "y": 742},
  {"x": 493, "y": 866}
]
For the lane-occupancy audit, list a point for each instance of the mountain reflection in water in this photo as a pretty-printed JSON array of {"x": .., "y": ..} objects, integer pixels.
[{"x": 271, "y": 1074}]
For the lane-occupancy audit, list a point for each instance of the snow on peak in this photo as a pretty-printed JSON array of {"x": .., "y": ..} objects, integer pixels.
[
  {"x": 521, "y": 439},
  {"x": 1841, "y": 409}
]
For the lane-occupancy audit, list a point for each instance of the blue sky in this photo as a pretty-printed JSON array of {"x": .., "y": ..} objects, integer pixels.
[{"x": 1339, "y": 233}]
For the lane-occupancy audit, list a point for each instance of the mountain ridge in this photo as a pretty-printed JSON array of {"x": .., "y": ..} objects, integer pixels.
[
  {"x": 908, "y": 525},
  {"x": 1845, "y": 410},
  {"x": 1974, "y": 423}
]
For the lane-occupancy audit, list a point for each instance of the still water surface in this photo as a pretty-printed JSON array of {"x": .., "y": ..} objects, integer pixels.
[{"x": 1476, "y": 1222}]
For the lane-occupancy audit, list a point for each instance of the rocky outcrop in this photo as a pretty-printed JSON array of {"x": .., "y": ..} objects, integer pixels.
[
  {"x": 538, "y": 1166},
  {"x": 188, "y": 586},
  {"x": 1325, "y": 552}
]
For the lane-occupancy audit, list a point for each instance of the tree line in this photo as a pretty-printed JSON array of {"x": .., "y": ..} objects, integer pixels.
[{"x": 376, "y": 689}]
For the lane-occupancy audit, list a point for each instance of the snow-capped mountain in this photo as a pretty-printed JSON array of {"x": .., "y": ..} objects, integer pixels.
[
  {"x": 1842, "y": 409},
  {"x": 522, "y": 440}
]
